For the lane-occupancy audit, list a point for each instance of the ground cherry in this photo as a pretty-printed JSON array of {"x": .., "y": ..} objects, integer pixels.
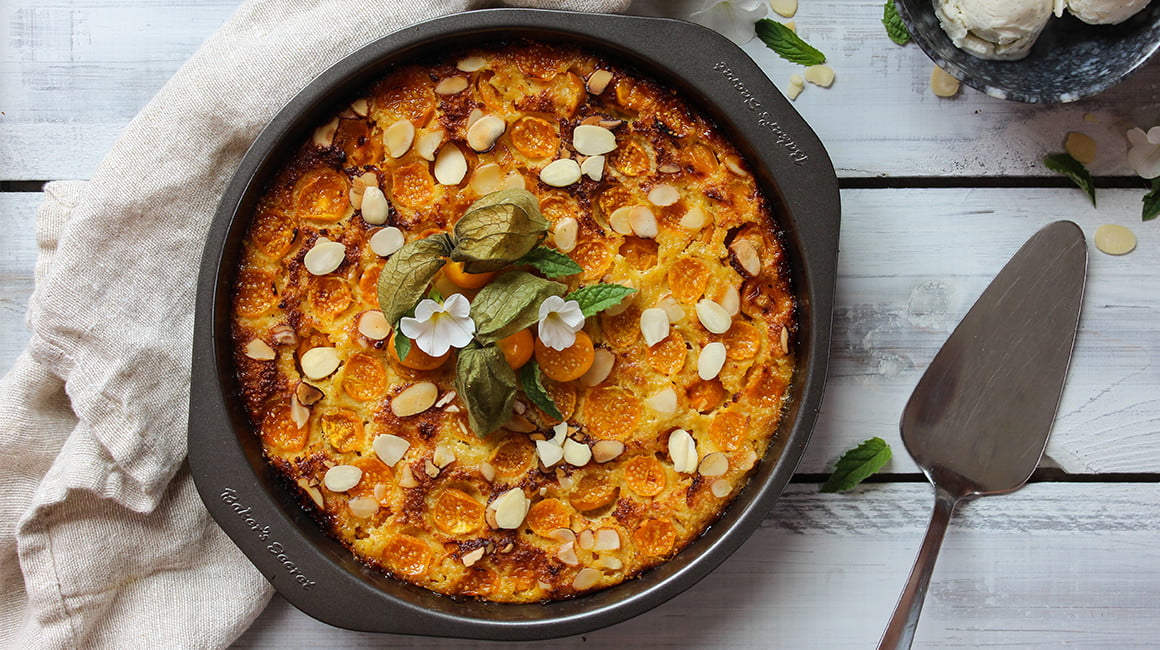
[
  {"x": 464, "y": 280},
  {"x": 416, "y": 359},
  {"x": 567, "y": 364},
  {"x": 517, "y": 348}
]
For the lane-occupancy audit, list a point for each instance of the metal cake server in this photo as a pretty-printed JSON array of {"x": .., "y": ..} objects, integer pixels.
[{"x": 978, "y": 420}]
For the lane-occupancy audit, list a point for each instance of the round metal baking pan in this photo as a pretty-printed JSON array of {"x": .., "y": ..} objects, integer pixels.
[{"x": 320, "y": 576}]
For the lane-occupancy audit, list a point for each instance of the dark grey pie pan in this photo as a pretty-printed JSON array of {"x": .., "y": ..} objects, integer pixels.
[{"x": 320, "y": 576}]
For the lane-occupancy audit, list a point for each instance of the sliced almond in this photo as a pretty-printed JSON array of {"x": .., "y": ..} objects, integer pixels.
[
  {"x": 592, "y": 140},
  {"x": 593, "y": 167},
  {"x": 576, "y": 453},
  {"x": 560, "y": 173},
  {"x": 683, "y": 451},
  {"x": 260, "y": 350},
  {"x": 748, "y": 460},
  {"x": 784, "y": 8},
  {"x": 450, "y": 165},
  {"x": 618, "y": 220},
  {"x": 714, "y": 464},
  {"x": 563, "y": 535},
  {"x": 942, "y": 84},
  {"x": 586, "y": 578},
  {"x": 314, "y": 493},
  {"x": 721, "y": 488},
  {"x": 730, "y": 299},
  {"x": 415, "y": 399},
  {"x": 325, "y": 256},
  {"x": 713, "y": 317},
  {"x": 451, "y": 86},
  {"x": 359, "y": 186},
  {"x": 487, "y": 471},
  {"x": 398, "y": 138},
  {"x": 561, "y": 434},
  {"x": 361, "y": 107},
  {"x": 385, "y": 242},
  {"x": 1114, "y": 239},
  {"x": 795, "y": 87},
  {"x": 486, "y": 178},
  {"x": 510, "y": 509},
  {"x": 784, "y": 340},
  {"x": 747, "y": 256},
  {"x": 602, "y": 362},
  {"x": 471, "y": 63},
  {"x": 444, "y": 455},
  {"x": 363, "y": 507},
  {"x": 549, "y": 453},
  {"x": 307, "y": 395},
  {"x": 608, "y": 562},
  {"x": 514, "y": 181},
  {"x": 643, "y": 222},
  {"x": 654, "y": 325},
  {"x": 471, "y": 557},
  {"x": 695, "y": 218},
  {"x": 733, "y": 164},
  {"x": 324, "y": 135},
  {"x": 598, "y": 81},
  {"x": 390, "y": 448},
  {"x": 663, "y": 402},
  {"x": 299, "y": 414},
  {"x": 430, "y": 469},
  {"x": 320, "y": 362},
  {"x": 428, "y": 144},
  {"x": 668, "y": 168},
  {"x": 564, "y": 234},
  {"x": 606, "y": 539},
  {"x": 567, "y": 554},
  {"x": 482, "y": 135},
  {"x": 711, "y": 360},
  {"x": 1081, "y": 147},
  {"x": 407, "y": 477},
  {"x": 662, "y": 195},
  {"x": 284, "y": 335},
  {"x": 445, "y": 400},
  {"x": 375, "y": 206},
  {"x": 606, "y": 450},
  {"x": 585, "y": 539},
  {"x": 341, "y": 478},
  {"x": 473, "y": 117},
  {"x": 819, "y": 75},
  {"x": 674, "y": 309}
]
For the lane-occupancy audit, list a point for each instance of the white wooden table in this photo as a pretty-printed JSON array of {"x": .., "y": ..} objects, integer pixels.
[{"x": 937, "y": 194}]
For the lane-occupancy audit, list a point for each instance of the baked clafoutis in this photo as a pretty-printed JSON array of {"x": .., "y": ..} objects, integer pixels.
[{"x": 515, "y": 324}]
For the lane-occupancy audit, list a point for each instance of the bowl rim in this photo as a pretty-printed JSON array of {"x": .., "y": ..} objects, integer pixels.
[{"x": 320, "y": 576}]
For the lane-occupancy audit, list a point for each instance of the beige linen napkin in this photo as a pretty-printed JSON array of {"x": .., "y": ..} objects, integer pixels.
[{"x": 103, "y": 540}]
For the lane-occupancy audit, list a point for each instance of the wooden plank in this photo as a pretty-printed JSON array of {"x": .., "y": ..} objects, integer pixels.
[
  {"x": 912, "y": 262},
  {"x": 1051, "y": 565},
  {"x": 76, "y": 71}
]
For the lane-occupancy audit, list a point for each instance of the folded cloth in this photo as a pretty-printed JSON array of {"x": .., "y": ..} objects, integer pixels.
[{"x": 103, "y": 540}]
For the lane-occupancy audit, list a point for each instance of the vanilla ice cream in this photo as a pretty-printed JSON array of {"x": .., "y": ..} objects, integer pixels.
[
  {"x": 995, "y": 29},
  {"x": 1105, "y": 12}
]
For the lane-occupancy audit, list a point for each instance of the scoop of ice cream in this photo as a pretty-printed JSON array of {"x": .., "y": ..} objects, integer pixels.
[
  {"x": 994, "y": 29},
  {"x": 1105, "y": 12}
]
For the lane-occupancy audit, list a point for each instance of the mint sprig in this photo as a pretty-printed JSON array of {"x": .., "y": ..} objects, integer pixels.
[
  {"x": 786, "y": 43},
  {"x": 532, "y": 383},
  {"x": 1152, "y": 202},
  {"x": 895, "y": 28},
  {"x": 596, "y": 298},
  {"x": 857, "y": 464},
  {"x": 551, "y": 262},
  {"x": 1065, "y": 164}
]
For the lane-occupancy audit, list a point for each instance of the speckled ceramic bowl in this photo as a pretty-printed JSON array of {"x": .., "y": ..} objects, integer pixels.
[{"x": 1070, "y": 61}]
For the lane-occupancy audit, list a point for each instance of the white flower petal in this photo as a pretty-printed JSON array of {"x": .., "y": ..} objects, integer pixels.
[
  {"x": 550, "y": 304},
  {"x": 1137, "y": 137},
  {"x": 457, "y": 305},
  {"x": 1154, "y": 135},
  {"x": 426, "y": 309},
  {"x": 556, "y": 334},
  {"x": 732, "y": 18},
  {"x": 1144, "y": 152},
  {"x": 572, "y": 315},
  {"x": 412, "y": 327}
]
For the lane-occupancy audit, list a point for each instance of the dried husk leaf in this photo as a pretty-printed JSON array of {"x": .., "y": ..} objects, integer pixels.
[
  {"x": 510, "y": 303},
  {"x": 497, "y": 230},
  {"x": 404, "y": 278},
  {"x": 488, "y": 385}
]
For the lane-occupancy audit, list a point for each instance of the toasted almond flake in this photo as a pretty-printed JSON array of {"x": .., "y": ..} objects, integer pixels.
[
  {"x": 663, "y": 402},
  {"x": 451, "y": 86},
  {"x": 363, "y": 507},
  {"x": 1081, "y": 147},
  {"x": 784, "y": 340},
  {"x": 606, "y": 539},
  {"x": 487, "y": 471},
  {"x": 471, "y": 63},
  {"x": 390, "y": 448},
  {"x": 662, "y": 195},
  {"x": 451, "y": 408},
  {"x": 407, "y": 477},
  {"x": 414, "y": 399},
  {"x": 385, "y": 242},
  {"x": 510, "y": 509},
  {"x": 747, "y": 256},
  {"x": 711, "y": 360},
  {"x": 560, "y": 434},
  {"x": 450, "y": 165},
  {"x": 319, "y": 363},
  {"x": 683, "y": 451},
  {"x": 514, "y": 181},
  {"x": 668, "y": 168},
  {"x": 260, "y": 350},
  {"x": 748, "y": 459},
  {"x": 593, "y": 167},
  {"x": 375, "y": 206},
  {"x": 549, "y": 453},
  {"x": 721, "y": 488},
  {"x": 341, "y": 478},
  {"x": 654, "y": 325},
  {"x": 284, "y": 335},
  {"x": 598, "y": 81},
  {"x": 1114, "y": 239},
  {"x": 314, "y": 493},
  {"x": 489, "y": 517},
  {"x": 585, "y": 539},
  {"x": 819, "y": 75},
  {"x": 586, "y": 578},
  {"x": 560, "y": 173},
  {"x": 674, "y": 309},
  {"x": 444, "y": 456},
  {"x": 520, "y": 424},
  {"x": 306, "y": 394},
  {"x": 564, "y": 234},
  {"x": 730, "y": 299},
  {"x": 784, "y": 8},
  {"x": 576, "y": 453},
  {"x": 592, "y": 140},
  {"x": 733, "y": 164},
  {"x": 643, "y": 222},
  {"x": 714, "y": 464},
  {"x": 795, "y": 87},
  {"x": 428, "y": 144},
  {"x": 602, "y": 362},
  {"x": 482, "y": 135},
  {"x": 474, "y": 117},
  {"x": 486, "y": 178},
  {"x": 380, "y": 491},
  {"x": 519, "y": 408},
  {"x": 606, "y": 450},
  {"x": 942, "y": 84},
  {"x": 299, "y": 414},
  {"x": 566, "y": 482},
  {"x": 591, "y": 119},
  {"x": 618, "y": 220},
  {"x": 713, "y": 316},
  {"x": 472, "y": 557},
  {"x": 398, "y": 138},
  {"x": 430, "y": 468},
  {"x": 445, "y": 399},
  {"x": 608, "y": 562},
  {"x": 359, "y": 185},
  {"x": 361, "y": 107},
  {"x": 324, "y": 135},
  {"x": 325, "y": 256},
  {"x": 563, "y": 535},
  {"x": 695, "y": 218},
  {"x": 567, "y": 554}
]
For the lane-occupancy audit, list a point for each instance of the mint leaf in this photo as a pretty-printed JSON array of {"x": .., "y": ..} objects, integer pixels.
[
  {"x": 787, "y": 44},
  {"x": 857, "y": 464},
  {"x": 1152, "y": 201},
  {"x": 551, "y": 262},
  {"x": 434, "y": 294},
  {"x": 895, "y": 28},
  {"x": 1073, "y": 169},
  {"x": 533, "y": 387},
  {"x": 596, "y": 298},
  {"x": 402, "y": 344}
]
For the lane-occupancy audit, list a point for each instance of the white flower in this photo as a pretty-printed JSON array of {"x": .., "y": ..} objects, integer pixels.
[
  {"x": 437, "y": 328},
  {"x": 732, "y": 18},
  {"x": 559, "y": 322},
  {"x": 1144, "y": 152}
]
